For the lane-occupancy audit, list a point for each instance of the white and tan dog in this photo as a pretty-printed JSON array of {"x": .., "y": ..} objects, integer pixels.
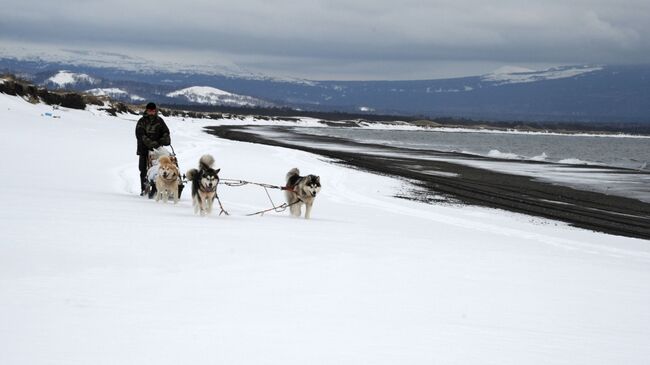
[
  {"x": 167, "y": 180},
  {"x": 204, "y": 185},
  {"x": 301, "y": 190}
]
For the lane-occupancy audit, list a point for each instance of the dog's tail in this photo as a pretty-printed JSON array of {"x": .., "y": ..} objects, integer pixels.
[
  {"x": 191, "y": 173},
  {"x": 292, "y": 173},
  {"x": 206, "y": 162},
  {"x": 164, "y": 160}
]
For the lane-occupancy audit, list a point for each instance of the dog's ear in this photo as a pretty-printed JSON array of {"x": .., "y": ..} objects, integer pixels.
[{"x": 217, "y": 171}]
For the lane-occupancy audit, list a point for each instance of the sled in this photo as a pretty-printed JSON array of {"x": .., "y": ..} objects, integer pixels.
[{"x": 150, "y": 186}]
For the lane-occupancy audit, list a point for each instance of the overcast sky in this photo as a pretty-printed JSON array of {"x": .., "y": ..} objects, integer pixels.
[{"x": 342, "y": 39}]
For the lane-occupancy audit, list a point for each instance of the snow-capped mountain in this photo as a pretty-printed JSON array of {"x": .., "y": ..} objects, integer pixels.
[
  {"x": 66, "y": 78},
  {"x": 115, "y": 93},
  {"x": 213, "y": 96},
  {"x": 515, "y": 75}
]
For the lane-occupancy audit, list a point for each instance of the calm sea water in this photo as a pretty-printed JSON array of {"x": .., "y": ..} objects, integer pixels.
[{"x": 627, "y": 152}]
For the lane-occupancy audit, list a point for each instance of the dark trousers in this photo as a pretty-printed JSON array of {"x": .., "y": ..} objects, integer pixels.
[{"x": 142, "y": 165}]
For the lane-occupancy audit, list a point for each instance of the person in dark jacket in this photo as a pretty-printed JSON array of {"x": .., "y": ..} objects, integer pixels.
[{"x": 151, "y": 132}]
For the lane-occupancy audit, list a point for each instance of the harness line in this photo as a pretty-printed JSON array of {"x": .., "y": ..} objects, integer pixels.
[
  {"x": 277, "y": 209},
  {"x": 172, "y": 178},
  {"x": 221, "y": 206}
]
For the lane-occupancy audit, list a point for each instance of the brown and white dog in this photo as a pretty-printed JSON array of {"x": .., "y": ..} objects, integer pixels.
[
  {"x": 167, "y": 179},
  {"x": 301, "y": 190},
  {"x": 204, "y": 185}
]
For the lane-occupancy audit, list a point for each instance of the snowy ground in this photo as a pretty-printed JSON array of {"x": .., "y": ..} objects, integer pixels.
[{"x": 91, "y": 273}]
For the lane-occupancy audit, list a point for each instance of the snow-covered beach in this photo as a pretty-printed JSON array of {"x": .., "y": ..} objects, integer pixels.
[{"x": 92, "y": 273}]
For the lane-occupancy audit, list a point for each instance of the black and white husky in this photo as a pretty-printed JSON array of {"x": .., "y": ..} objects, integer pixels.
[
  {"x": 301, "y": 190},
  {"x": 204, "y": 185}
]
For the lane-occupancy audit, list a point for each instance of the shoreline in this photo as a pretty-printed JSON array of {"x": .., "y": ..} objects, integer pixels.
[
  {"x": 474, "y": 186},
  {"x": 489, "y": 129}
]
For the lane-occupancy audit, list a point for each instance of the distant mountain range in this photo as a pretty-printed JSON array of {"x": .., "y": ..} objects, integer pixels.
[{"x": 612, "y": 94}]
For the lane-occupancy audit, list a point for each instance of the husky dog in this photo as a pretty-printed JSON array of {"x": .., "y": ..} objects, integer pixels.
[
  {"x": 301, "y": 190},
  {"x": 204, "y": 185},
  {"x": 167, "y": 180},
  {"x": 152, "y": 171}
]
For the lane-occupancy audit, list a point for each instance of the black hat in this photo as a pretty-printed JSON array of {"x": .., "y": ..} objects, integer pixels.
[{"x": 151, "y": 106}]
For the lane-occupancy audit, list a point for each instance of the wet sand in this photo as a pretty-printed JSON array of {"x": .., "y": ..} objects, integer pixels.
[{"x": 585, "y": 209}]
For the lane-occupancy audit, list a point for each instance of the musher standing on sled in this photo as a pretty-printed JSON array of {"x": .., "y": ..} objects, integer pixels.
[{"x": 151, "y": 132}]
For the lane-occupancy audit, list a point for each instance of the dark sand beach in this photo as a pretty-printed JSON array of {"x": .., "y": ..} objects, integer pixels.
[{"x": 470, "y": 185}]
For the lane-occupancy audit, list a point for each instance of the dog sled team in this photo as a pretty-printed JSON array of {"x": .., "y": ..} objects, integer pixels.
[{"x": 160, "y": 175}]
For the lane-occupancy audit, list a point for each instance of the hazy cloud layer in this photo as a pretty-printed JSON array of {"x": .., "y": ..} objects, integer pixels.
[{"x": 360, "y": 39}]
